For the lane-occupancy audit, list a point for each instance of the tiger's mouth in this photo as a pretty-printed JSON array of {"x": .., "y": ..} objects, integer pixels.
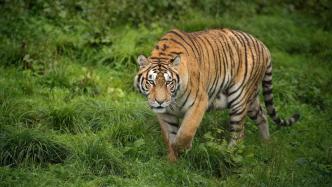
[{"x": 158, "y": 109}]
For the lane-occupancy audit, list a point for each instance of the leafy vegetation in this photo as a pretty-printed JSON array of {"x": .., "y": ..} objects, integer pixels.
[{"x": 69, "y": 115}]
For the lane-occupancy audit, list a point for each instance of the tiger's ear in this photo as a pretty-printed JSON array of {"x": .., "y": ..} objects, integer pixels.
[
  {"x": 176, "y": 61},
  {"x": 142, "y": 61}
]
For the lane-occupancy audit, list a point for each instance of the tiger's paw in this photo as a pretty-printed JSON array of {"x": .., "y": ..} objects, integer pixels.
[
  {"x": 181, "y": 148},
  {"x": 266, "y": 141},
  {"x": 236, "y": 138},
  {"x": 172, "y": 157},
  {"x": 234, "y": 142}
]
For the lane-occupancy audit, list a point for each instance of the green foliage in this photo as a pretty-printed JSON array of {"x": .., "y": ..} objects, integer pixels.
[
  {"x": 88, "y": 84},
  {"x": 55, "y": 76},
  {"x": 318, "y": 8},
  {"x": 70, "y": 116},
  {"x": 102, "y": 159},
  {"x": 65, "y": 119},
  {"x": 104, "y": 12},
  {"x": 28, "y": 147},
  {"x": 215, "y": 157}
]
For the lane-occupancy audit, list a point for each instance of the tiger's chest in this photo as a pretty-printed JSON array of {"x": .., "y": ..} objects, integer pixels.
[{"x": 176, "y": 110}]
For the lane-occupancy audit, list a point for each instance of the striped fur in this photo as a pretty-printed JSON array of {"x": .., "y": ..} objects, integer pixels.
[{"x": 189, "y": 73}]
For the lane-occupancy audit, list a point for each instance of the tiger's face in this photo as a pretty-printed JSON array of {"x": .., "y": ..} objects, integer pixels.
[{"x": 158, "y": 81}]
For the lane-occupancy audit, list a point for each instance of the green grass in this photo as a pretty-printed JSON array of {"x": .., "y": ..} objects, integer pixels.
[
  {"x": 26, "y": 147},
  {"x": 70, "y": 116}
]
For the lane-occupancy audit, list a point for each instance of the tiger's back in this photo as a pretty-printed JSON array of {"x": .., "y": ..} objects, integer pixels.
[{"x": 218, "y": 61}]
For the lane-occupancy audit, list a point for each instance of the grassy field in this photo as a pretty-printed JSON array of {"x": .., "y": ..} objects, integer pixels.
[{"x": 69, "y": 115}]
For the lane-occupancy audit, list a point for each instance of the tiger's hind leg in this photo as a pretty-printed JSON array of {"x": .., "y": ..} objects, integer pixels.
[
  {"x": 236, "y": 128},
  {"x": 238, "y": 112},
  {"x": 256, "y": 113}
]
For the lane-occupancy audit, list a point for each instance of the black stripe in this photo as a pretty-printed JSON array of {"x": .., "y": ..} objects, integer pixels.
[
  {"x": 237, "y": 112},
  {"x": 249, "y": 40},
  {"x": 269, "y": 102},
  {"x": 194, "y": 43},
  {"x": 176, "y": 53},
  {"x": 225, "y": 64},
  {"x": 173, "y": 124},
  {"x": 170, "y": 123},
  {"x": 256, "y": 70},
  {"x": 159, "y": 66},
  {"x": 184, "y": 92},
  {"x": 245, "y": 56},
  {"x": 165, "y": 47},
  {"x": 237, "y": 50},
  {"x": 267, "y": 82},
  {"x": 195, "y": 98},
  {"x": 231, "y": 93},
  {"x": 241, "y": 92},
  {"x": 270, "y": 64},
  {"x": 205, "y": 53},
  {"x": 201, "y": 53},
  {"x": 179, "y": 43},
  {"x": 239, "y": 103},
  {"x": 273, "y": 113},
  {"x": 287, "y": 123},
  {"x": 267, "y": 92},
  {"x": 268, "y": 73},
  {"x": 138, "y": 80},
  {"x": 216, "y": 73},
  {"x": 185, "y": 101},
  {"x": 233, "y": 122},
  {"x": 230, "y": 55},
  {"x": 198, "y": 50},
  {"x": 180, "y": 36},
  {"x": 159, "y": 58},
  {"x": 277, "y": 121}
]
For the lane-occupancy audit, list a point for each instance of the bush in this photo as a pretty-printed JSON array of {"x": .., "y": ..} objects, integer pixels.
[
  {"x": 104, "y": 12},
  {"x": 321, "y": 9}
]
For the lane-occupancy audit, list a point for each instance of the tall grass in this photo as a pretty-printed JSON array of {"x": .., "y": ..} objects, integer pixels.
[{"x": 28, "y": 147}]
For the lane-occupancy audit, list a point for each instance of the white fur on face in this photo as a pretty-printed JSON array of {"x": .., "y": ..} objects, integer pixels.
[
  {"x": 168, "y": 76},
  {"x": 152, "y": 75}
]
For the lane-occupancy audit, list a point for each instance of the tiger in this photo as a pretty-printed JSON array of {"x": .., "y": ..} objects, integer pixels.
[{"x": 189, "y": 73}]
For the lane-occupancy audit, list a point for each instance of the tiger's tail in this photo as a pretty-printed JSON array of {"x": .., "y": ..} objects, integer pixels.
[{"x": 268, "y": 99}]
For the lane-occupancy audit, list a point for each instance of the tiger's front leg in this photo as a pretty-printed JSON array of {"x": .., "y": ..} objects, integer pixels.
[
  {"x": 169, "y": 127},
  {"x": 190, "y": 123}
]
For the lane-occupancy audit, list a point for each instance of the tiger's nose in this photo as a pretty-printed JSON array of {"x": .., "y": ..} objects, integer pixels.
[{"x": 159, "y": 102}]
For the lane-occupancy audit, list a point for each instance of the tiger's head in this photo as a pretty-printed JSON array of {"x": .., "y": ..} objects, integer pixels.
[{"x": 158, "y": 81}]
